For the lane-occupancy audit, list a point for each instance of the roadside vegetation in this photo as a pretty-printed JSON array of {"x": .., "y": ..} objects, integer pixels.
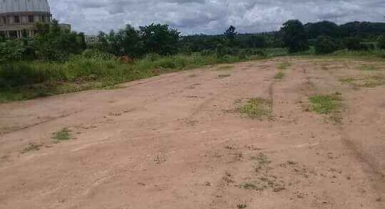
[{"x": 57, "y": 61}]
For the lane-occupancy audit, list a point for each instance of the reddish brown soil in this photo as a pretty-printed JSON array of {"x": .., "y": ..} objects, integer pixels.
[{"x": 175, "y": 141}]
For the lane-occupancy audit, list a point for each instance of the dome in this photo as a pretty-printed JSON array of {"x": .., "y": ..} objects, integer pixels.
[{"x": 13, "y": 6}]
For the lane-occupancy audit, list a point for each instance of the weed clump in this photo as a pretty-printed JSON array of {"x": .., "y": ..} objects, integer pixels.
[
  {"x": 347, "y": 80},
  {"x": 257, "y": 108},
  {"x": 224, "y": 75},
  {"x": 325, "y": 104},
  {"x": 225, "y": 67},
  {"x": 62, "y": 135}
]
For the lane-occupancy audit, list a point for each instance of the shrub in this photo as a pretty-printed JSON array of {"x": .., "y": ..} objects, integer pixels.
[{"x": 325, "y": 45}]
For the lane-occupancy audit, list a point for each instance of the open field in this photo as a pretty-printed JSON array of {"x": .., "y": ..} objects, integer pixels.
[{"x": 240, "y": 137}]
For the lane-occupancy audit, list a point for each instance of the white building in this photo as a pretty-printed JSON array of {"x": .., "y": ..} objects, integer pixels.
[
  {"x": 91, "y": 39},
  {"x": 20, "y": 16}
]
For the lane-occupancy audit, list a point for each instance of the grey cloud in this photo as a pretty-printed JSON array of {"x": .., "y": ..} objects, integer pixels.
[{"x": 210, "y": 16}]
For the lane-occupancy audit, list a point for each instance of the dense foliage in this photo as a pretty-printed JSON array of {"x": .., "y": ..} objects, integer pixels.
[
  {"x": 354, "y": 44},
  {"x": 54, "y": 43},
  {"x": 59, "y": 61},
  {"x": 325, "y": 45},
  {"x": 294, "y": 36},
  {"x": 159, "y": 39}
]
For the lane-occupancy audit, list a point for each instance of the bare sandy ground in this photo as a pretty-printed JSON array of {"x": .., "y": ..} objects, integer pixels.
[{"x": 175, "y": 141}]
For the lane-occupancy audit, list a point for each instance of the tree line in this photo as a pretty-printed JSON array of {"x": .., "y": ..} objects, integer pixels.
[{"x": 55, "y": 44}]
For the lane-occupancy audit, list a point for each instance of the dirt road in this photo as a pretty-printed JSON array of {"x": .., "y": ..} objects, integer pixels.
[{"x": 176, "y": 141}]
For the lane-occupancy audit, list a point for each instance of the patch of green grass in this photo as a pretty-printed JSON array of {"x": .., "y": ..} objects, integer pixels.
[
  {"x": 347, "y": 80},
  {"x": 284, "y": 65},
  {"x": 257, "y": 108},
  {"x": 225, "y": 67},
  {"x": 31, "y": 79},
  {"x": 31, "y": 147},
  {"x": 325, "y": 104},
  {"x": 224, "y": 75},
  {"x": 62, "y": 135},
  {"x": 279, "y": 75},
  {"x": 368, "y": 68},
  {"x": 374, "y": 81}
]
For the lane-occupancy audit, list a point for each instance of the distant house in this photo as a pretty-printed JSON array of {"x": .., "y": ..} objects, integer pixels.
[{"x": 91, "y": 39}]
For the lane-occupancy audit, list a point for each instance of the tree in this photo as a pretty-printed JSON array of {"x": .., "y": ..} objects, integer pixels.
[
  {"x": 159, "y": 39},
  {"x": 381, "y": 42},
  {"x": 324, "y": 28},
  {"x": 257, "y": 41},
  {"x": 131, "y": 42},
  {"x": 230, "y": 35},
  {"x": 294, "y": 36},
  {"x": 325, "y": 45},
  {"x": 53, "y": 43},
  {"x": 354, "y": 44}
]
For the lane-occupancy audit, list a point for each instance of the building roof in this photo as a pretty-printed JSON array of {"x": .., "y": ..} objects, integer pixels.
[{"x": 11, "y": 6}]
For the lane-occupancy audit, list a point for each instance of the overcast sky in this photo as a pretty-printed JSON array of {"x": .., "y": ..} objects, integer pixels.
[{"x": 210, "y": 16}]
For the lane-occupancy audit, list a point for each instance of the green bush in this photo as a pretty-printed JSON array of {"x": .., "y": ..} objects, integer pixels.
[
  {"x": 325, "y": 45},
  {"x": 11, "y": 50},
  {"x": 20, "y": 74}
]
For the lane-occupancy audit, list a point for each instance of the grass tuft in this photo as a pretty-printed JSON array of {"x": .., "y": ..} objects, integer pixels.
[
  {"x": 225, "y": 67},
  {"x": 347, "y": 80},
  {"x": 257, "y": 108},
  {"x": 224, "y": 75},
  {"x": 325, "y": 104},
  {"x": 241, "y": 206},
  {"x": 62, "y": 135}
]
